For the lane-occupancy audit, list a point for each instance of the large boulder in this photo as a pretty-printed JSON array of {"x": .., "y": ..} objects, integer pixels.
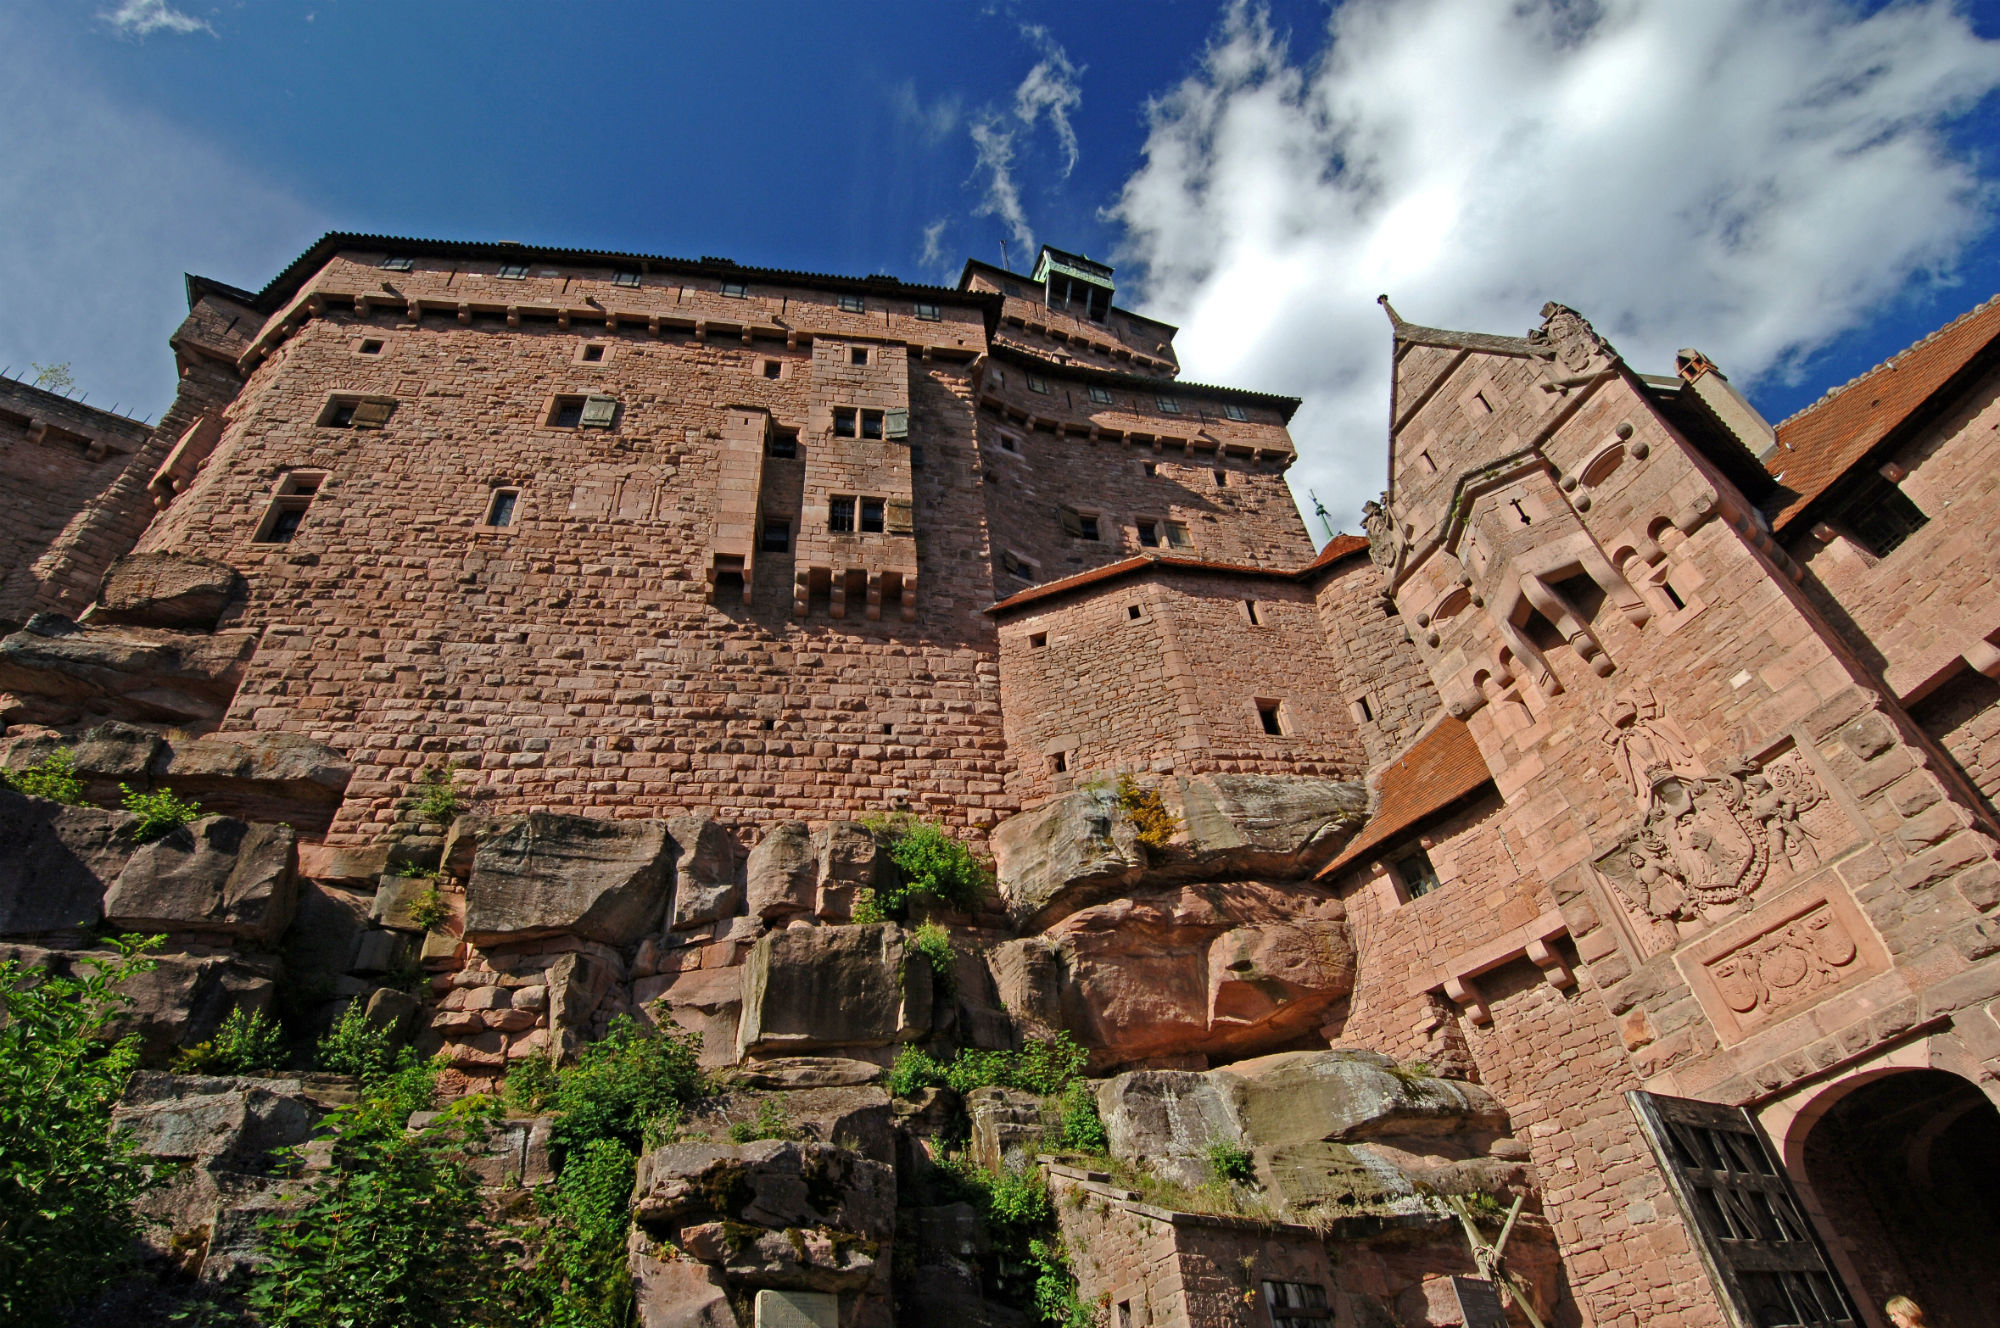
[
  {"x": 262, "y": 776},
  {"x": 707, "y": 1001},
  {"x": 104, "y": 757},
  {"x": 56, "y": 861},
  {"x": 773, "y": 1183},
  {"x": 811, "y": 988},
  {"x": 1343, "y": 1096},
  {"x": 1177, "y": 971},
  {"x": 706, "y": 871},
  {"x": 138, "y": 674},
  {"x": 1070, "y": 852},
  {"x": 851, "y": 859},
  {"x": 782, "y": 877},
  {"x": 166, "y": 590},
  {"x": 215, "y": 1120},
  {"x": 181, "y": 1000},
  {"x": 1281, "y": 826},
  {"x": 218, "y": 875},
  {"x": 548, "y": 875},
  {"x": 1005, "y": 1123}
]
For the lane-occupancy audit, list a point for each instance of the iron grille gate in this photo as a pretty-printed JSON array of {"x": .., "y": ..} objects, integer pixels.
[{"x": 1761, "y": 1250}]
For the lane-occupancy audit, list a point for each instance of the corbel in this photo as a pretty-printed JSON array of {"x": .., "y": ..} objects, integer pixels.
[
  {"x": 465, "y": 315},
  {"x": 1466, "y": 993},
  {"x": 1544, "y": 956},
  {"x": 414, "y": 309},
  {"x": 360, "y": 306},
  {"x": 653, "y": 325},
  {"x": 513, "y": 315},
  {"x": 563, "y": 317}
]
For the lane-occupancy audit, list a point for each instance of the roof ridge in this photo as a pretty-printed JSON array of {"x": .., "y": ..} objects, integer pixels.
[{"x": 1890, "y": 362}]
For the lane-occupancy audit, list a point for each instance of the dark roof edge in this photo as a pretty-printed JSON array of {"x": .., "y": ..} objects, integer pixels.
[
  {"x": 1144, "y": 563},
  {"x": 999, "y": 271},
  {"x": 1090, "y": 373},
  {"x": 57, "y": 401},
  {"x": 199, "y": 286},
  {"x": 287, "y": 283}
]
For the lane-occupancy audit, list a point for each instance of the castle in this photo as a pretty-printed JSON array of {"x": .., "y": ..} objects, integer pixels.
[{"x": 1634, "y": 770}]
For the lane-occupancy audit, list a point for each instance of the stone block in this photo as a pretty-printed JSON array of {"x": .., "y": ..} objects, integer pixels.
[
  {"x": 771, "y": 1183},
  {"x": 676, "y": 1292},
  {"x": 1006, "y": 1122},
  {"x": 1068, "y": 853},
  {"x": 217, "y": 874},
  {"x": 706, "y": 885},
  {"x": 215, "y": 1120},
  {"x": 56, "y": 863},
  {"x": 797, "y": 1309},
  {"x": 177, "y": 590},
  {"x": 548, "y": 875},
  {"x": 782, "y": 876},
  {"x": 261, "y": 776},
  {"x": 814, "y": 988}
]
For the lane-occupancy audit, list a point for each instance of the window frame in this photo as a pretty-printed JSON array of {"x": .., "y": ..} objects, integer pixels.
[
  {"x": 927, "y": 312},
  {"x": 736, "y": 290},
  {"x": 511, "y": 495},
  {"x": 398, "y": 263},
  {"x": 626, "y": 278},
  {"x": 1232, "y": 411},
  {"x": 1102, "y": 396},
  {"x": 841, "y": 510},
  {"x": 513, "y": 272},
  {"x": 1167, "y": 405},
  {"x": 1413, "y": 886},
  {"x": 851, "y": 304}
]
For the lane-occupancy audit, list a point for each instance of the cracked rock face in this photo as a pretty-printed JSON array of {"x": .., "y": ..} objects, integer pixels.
[
  {"x": 811, "y": 988},
  {"x": 544, "y": 875}
]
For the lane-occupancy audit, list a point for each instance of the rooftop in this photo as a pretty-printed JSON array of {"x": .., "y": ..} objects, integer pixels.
[{"x": 1439, "y": 768}]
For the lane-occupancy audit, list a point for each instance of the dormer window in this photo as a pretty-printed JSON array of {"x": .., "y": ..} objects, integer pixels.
[{"x": 625, "y": 278}]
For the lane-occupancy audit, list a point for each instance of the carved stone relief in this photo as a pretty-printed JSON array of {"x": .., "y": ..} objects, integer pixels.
[
  {"x": 1570, "y": 336},
  {"x": 1782, "y": 959},
  {"x": 1706, "y": 841},
  {"x": 1385, "y": 542}
]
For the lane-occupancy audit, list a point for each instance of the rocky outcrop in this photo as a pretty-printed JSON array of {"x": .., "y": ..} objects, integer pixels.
[
  {"x": 55, "y": 862},
  {"x": 782, "y": 877},
  {"x": 706, "y": 1001},
  {"x": 706, "y": 871},
  {"x": 261, "y": 776},
  {"x": 1188, "y": 970},
  {"x": 817, "y": 988},
  {"x": 217, "y": 875},
  {"x": 174, "y": 590},
  {"x": 546, "y": 875},
  {"x": 56, "y": 672},
  {"x": 1006, "y": 1123},
  {"x": 1083, "y": 847}
]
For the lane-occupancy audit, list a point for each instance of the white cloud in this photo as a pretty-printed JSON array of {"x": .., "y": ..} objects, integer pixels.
[
  {"x": 1052, "y": 89},
  {"x": 1751, "y": 178},
  {"x": 139, "y": 18},
  {"x": 932, "y": 122},
  {"x": 995, "y": 145},
  {"x": 105, "y": 208},
  {"x": 933, "y": 253}
]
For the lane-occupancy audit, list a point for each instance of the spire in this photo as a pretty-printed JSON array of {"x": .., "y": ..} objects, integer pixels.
[{"x": 1396, "y": 322}]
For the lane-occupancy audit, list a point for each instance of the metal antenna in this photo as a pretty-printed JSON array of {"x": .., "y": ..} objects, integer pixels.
[{"x": 1319, "y": 510}]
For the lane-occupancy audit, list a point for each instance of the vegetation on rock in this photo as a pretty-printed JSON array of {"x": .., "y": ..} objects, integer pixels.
[
  {"x": 356, "y": 1045},
  {"x": 160, "y": 812},
  {"x": 931, "y": 867},
  {"x": 1156, "y": 825},
  {"x": 1230, "y": 1163},
  {"x": 931, "y": 944},
  {"x": 1046, "y": 1066},
  {"x": 247, "y": 1043},
  {"x": 437, "y": 799},
  {"x": 53, "y": 777}
]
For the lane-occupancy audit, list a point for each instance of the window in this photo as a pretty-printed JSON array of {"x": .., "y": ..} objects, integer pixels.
[
  {"x": 1154, "y": 534},
  {"x": 1016, "y": 566},
  {"x": 514, "y": 271},
  {"x": 857, "y": 355},
  {"x": 998, "y": 376},
  {"x": 928, "y": 313},
  {"x": 1151, "y": 468},
  {"x": 840, "y": 515},
  {"x": 500, "y": 509},
  {"x": 782, "y": 444},
  {"x": 1363, "y": 711},
  {"x": 1078, "y": 525},
  {"x": 1221, "y": 479},
  {"x": 590, "y": 412},
  {"x": 1101, "y": 395},
  {"x": 568, "y": 413},
  {"x": 1415, "y": 873},
  {"x": 1250, "y": 612},
  {"x": 1881, "y": 516},
  {"x": 777, "y": 537},
  {"x": 1169, "y": 405},
  {"x": 774, "y": 369},
  {"x": 852, "y": 304},
  {"x": 871, "y": 424},
  {"x": 340, "y": 416},
  {"x": 844, "y": 422},
  {"x": 1271, "y": 714},
  {"x": 1297, "y": 1305},
  {"x": 624, "y": 278},
  {"x": 394, "y": 264},
  {"x": 735, "y": 290},
  {"x": 1036, "y": 383},
  {"x": 357, "y": 412},
  {"x": 370, "y": 346},
  {"x": 871, "y": 516},
  {"x": 1036, "y": 640},
  {"x": 1009, "y": 443},
  {"x": 288, "y": 508},
  {"x": 1133, "y": 613},
  {"x": 1232, "y": 411},
  {"x": 593, "y": 353},
  {"x": 1058, "y": 762}
]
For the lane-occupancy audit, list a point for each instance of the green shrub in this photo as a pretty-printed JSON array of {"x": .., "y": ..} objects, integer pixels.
[
  {"x": 1156, "y": 825},
  {"x": 1230, "y": 1163},
  {"x": 437, "y": 799},
  {"x": 867, "y": 908},
  {"x": 936, "y": 866},
  {"x": 356, "y": 1045},
  {"x": 931, "y": 944},
  {"x": 1055, "y": 1300},
  {"x": 531, "y": 1085},
  {"x": 245, "y": 1044},
  {"x": 67, "y": 1181},
  {"x": 624, "y": 1081},
  {"x": 53, "y": 777},
  {"x": 430, "y": 910},
  {"x": 1082, "y": 1128},
  {"x": 770, "y": 1122},
  {"x": 578, "y": 1277},
  {"x": 915, "y": 1071},
  {"x": 1046, "y": 1066},
  {"x": 160, "y": 813}
]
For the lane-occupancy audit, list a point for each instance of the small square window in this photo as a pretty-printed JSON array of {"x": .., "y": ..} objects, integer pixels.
[
  {"x": 1169, "y": 405},
  {"x": 625, "y": 278},
  {"x": 928, "y": 313},
  {"x": 1036, "y": 383},
  {"x": 514, "y": 271},
  {"x": 1133, "y": 613},
  {"x": 1232, "y": 411},
  {"x": 774, "y": 369},
  {"x": 871, "y": 516},
  {"x": 1151, "y": 468},
  {"x": 1101, "y": 395},
  {"x": 1363, "y": 711},
  {"x": 568, "y": 413},
  {"x": 853, "y": 304},
  {"x": 500, "y": 510},
  {"x": 857, "y": 355},
  {"x": 1058, "y": 762},
  {"x": 735, "y": 290},
  {"x": 840, "y": 515},
  {"x": 871, "y": 424},
  {"x": 782, "y": 444},
  {"x": 370, "y": 346},
  {"x": 1036, "y": 640},
  {"x": 1088, "y": 522},
  {"x": 1271, "y": 715},
  {"x": 340, "y": 417},
  {"x": 1415, "y": 872},
  {"x": 1149, "y": 534},
  {"x": 593, "y": 353},
  {"x": 777, "y": 536},
  {"x": 844, "y": 422},
  {"x": 1009, "y": 443},
  {"x": 396, "y": 264}
]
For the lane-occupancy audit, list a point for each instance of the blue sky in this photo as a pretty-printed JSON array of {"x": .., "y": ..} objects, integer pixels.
[{"x": 1797, "y": 188}]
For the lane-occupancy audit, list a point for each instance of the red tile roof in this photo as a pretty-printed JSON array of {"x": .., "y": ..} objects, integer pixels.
[
  {"x": 1828, "y": 438},
  {"x": 1339, "y": 547},
  {"x": 1439, "y": 768}
]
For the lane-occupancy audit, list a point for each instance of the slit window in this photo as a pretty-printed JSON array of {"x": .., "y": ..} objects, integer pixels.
[
  {"x": 1232, "y": 411},
  {"x": 840, "y": 515},
  {"x": 1100, "y": 395},
  {"x": 871, "y": 516},
  {"x": 1881, "y": 516},
  {"x": 1250, "y": 612},
  {"x": 514, "y": 271},
  {"x": 1271, "y": 715},
  {"x": 777, "y": 536},
  {"x": 501, "y": 507},
  {"x": 1415, "y": 873},
  {"x": 782, "y": 444},
  {"x": 871, "y": 424},
  {"x": 844, "y": 422},
  {"x": 625, "y": 278},
  {"x": 853, "y": 304},
  {"x": 928, "y": 313},
  {"x": 1221, "y": 479},
  {"x": 1673, "y": 596}
]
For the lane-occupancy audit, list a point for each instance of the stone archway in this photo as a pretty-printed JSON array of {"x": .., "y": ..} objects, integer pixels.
[{"x": 1904, "y": 1172}]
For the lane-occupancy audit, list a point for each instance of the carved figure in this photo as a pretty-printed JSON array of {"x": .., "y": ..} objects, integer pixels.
[
  {"x": 1385, "y": 542},
  {"x": 1645, "y": 743},
  {"x": 1799, "y": 959},
  {"x": 1570, "y": 335}
]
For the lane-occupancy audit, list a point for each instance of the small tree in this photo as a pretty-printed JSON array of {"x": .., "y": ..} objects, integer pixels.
[
  {"x": 67, "y": 1182},
  {"x": 54, "y": 377},
  {"x": 53, "y": 777}
]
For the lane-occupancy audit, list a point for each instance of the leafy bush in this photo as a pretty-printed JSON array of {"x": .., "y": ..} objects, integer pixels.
[
  {"x": 915, "y": 1071},
  {"x": 579, "y": 1277},
  {"x": 1231, "y": 1164},
  {"x": 1055, "y": 1300},
  {"x": 931, "y": 943},
  {"x": 53, "y": 777},
  {"x": 437, "y": 799},
  {"x": 67, "y": 1182},
  {"x": 930, "y": 865},
  {"x": 430, "y": 909},
  {"x": 770, "y": 1122},
  {"x": 531, "y": 1085},
  {"x": 867, "y": 908},
  {"x": 160, "y": 813},
  {"x": 1082, "y": 1128},
  {"x": 245, "y": 1044},
  {"x": 1156, "y": 825},
  {"x": 356, "y": 1045},
  {"x": 393, "y": 1234},
  {"x": 624, "y": 1081},
  {"x": 1046, "y": 1065}
]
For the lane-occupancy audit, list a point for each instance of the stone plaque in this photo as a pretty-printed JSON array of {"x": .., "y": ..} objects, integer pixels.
[
  {"x": 1784, "y": 957},
  {"x": 797, "y": 1309},
  {"x": 1479, "y": 1302}
]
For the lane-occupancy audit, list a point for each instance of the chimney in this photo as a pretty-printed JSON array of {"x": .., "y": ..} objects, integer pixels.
[{"x": 1724, "y": 406}]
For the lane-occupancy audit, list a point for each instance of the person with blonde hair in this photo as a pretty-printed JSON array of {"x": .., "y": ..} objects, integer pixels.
[{"x": 1904, "y": 1312}]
